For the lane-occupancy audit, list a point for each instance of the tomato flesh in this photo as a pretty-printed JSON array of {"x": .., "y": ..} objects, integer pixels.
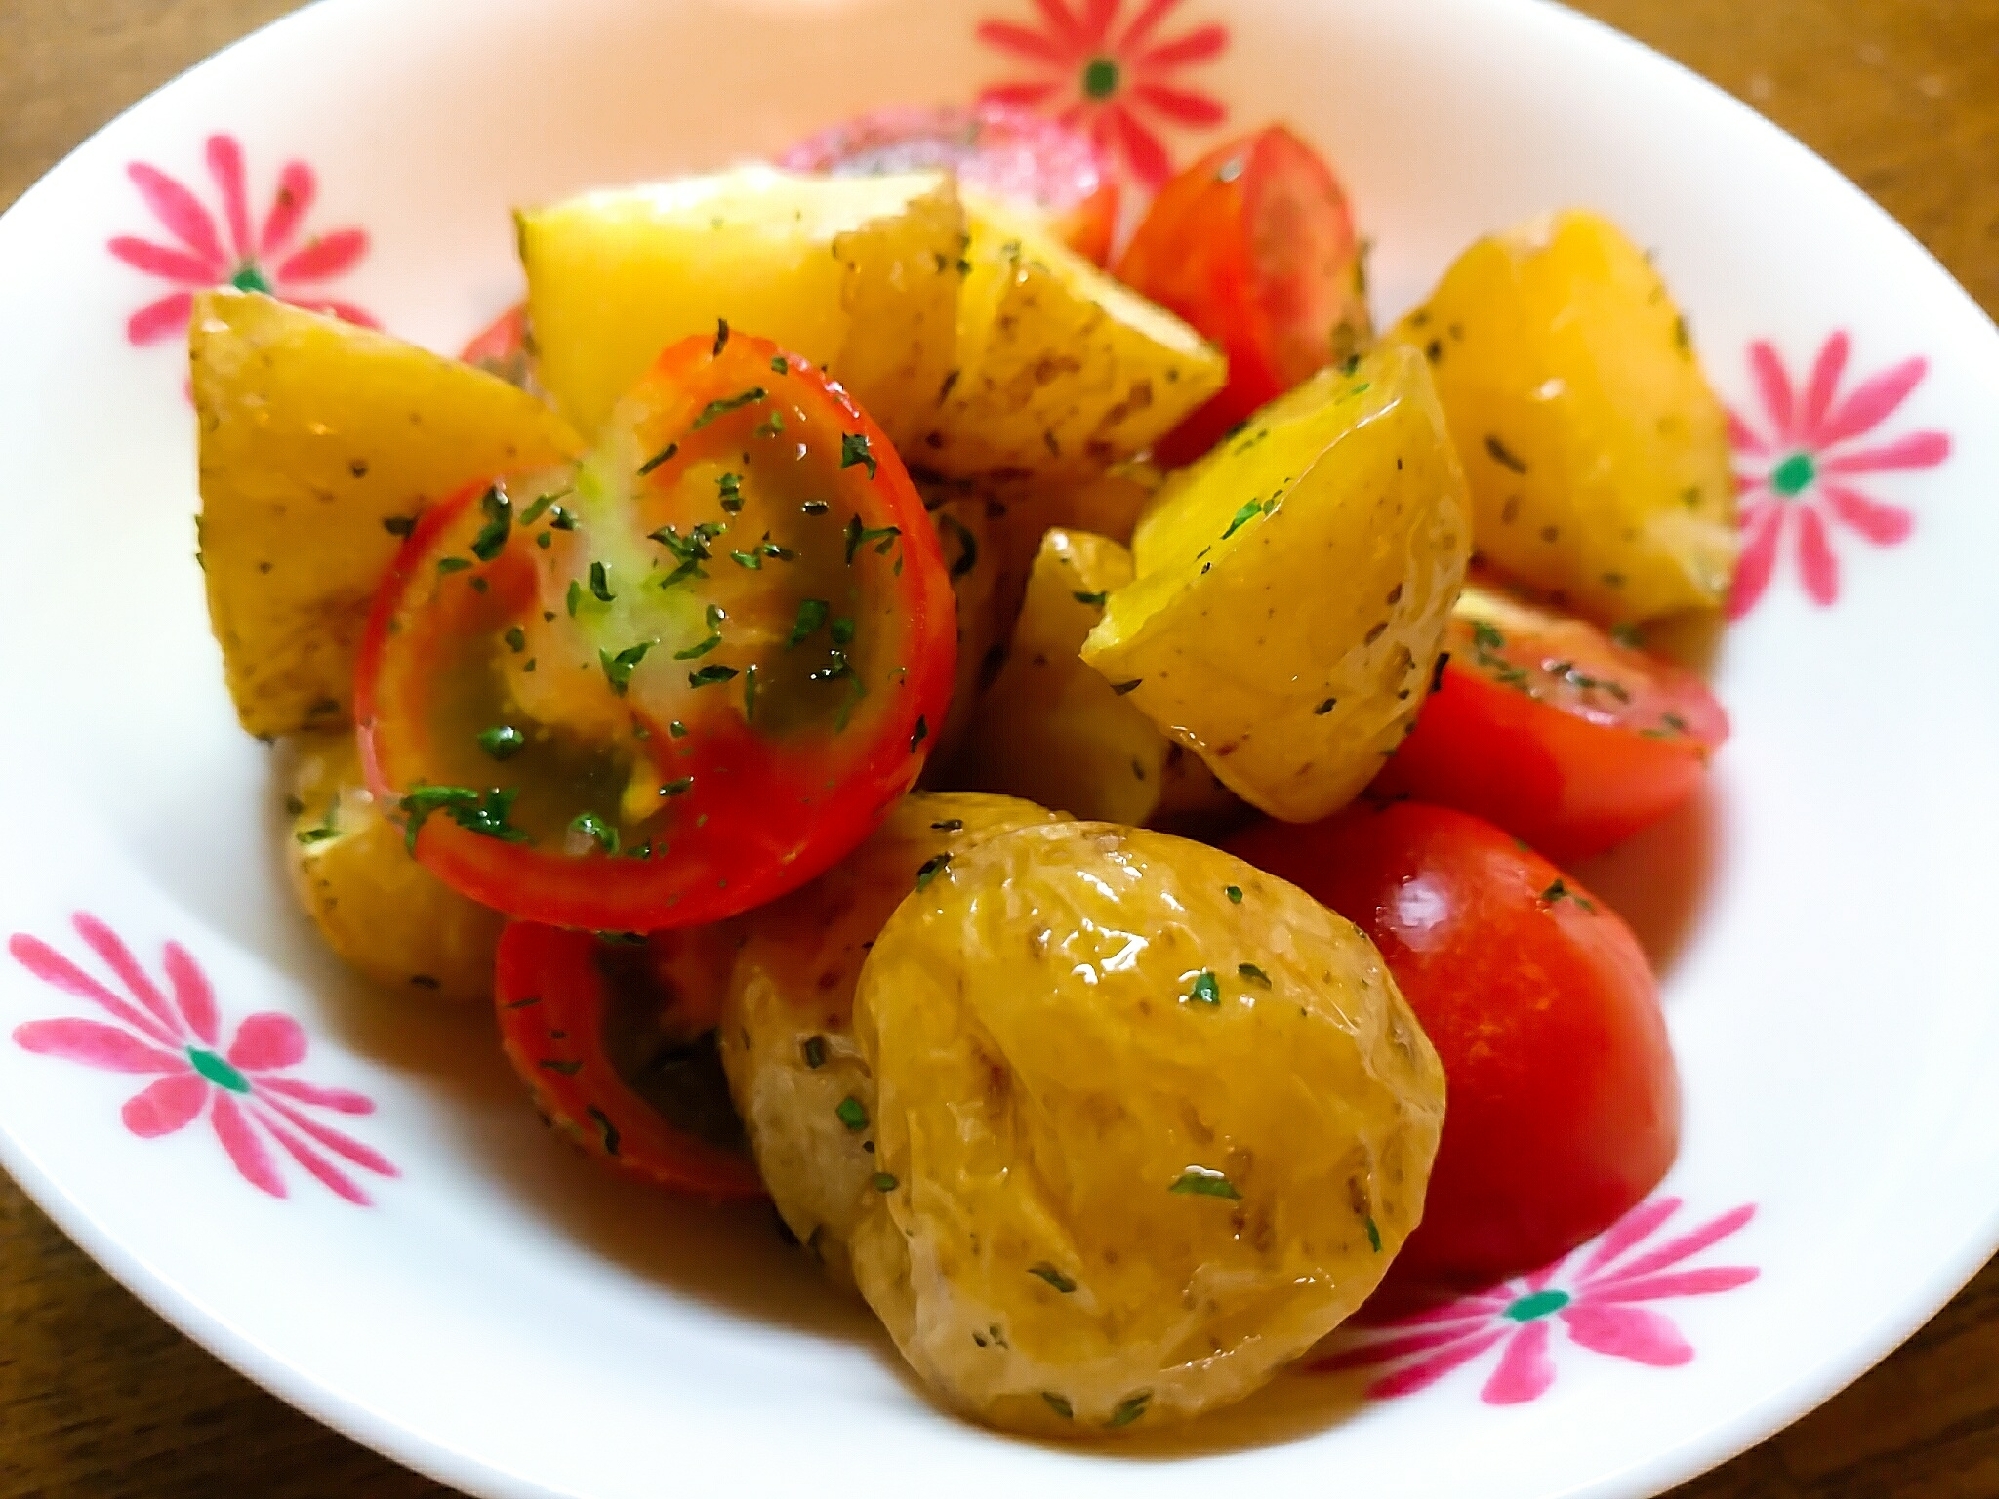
[
  {"x": 1254, "y": 245},
  {"x": 1563, "y": 1102},
  {"x": 1560, "y": 735},
  {"x": 677, "y": 680},
  {"x": 1030, "y": 162},
  {"x": 615, "y": 1040}
]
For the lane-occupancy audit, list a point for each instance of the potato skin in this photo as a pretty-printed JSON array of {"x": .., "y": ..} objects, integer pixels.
[
  {"x": 1061, "y": 370},
  {"x": 318, "y": 444},
  {"x": 786, "y": 1032},
  {"x": 1596, "y": 451},
  {"x": 1049, "y": 1082},
  {"x": 1050, "y": 729},
  {"x": 374, "y": 904},
  {"x": 1293, "y": 588},
  {"x": 857, "y": 274}
]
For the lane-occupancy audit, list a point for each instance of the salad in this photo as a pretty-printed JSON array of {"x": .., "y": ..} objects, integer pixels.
[{"x": 1054, "y": 756}]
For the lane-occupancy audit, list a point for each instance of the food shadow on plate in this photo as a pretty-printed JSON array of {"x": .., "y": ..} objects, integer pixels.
[
  {"x": 730, "y": 1257},
  {"x": 1661, "y": 880}
]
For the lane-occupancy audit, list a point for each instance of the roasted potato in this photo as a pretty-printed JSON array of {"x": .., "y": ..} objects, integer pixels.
[
  {"x": 1108, "y": 505},
  {"x": 858, "y": 274},
  {"x": 1061, "y": 371},
  {"x": 1293, "y": 587},
  {"x": 1596, "y": 451},
  {"x": 1192, "y": 797},
  {"x": 1138, "y": 1142},
  {"x": 1050, "y": 729},
  {"x": 319, "y": 442},
  {"x": 786, "y": 1034},
  {"x": 374, "y": 904}
]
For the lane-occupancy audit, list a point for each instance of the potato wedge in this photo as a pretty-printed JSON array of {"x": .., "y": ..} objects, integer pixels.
[
  {"x": 1148, "y": 1122},
  {"x": 374, "y": 904},
  {"x": 1293, "y": 587},
  {"x": 1061, "y": 370},
  {"x": 319, "y": 442},
  {"x": 1596, "y": 451},
  {"x": 858, "y": 274},
  {"x": 786, "y": 1037},
  {"x": 1051, "y": 729}
]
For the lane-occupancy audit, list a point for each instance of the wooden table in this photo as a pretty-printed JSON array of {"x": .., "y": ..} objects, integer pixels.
[{"x": 99, "y": 1397}]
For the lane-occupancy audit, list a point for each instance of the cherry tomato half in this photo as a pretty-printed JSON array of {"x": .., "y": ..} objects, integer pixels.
[
  {"x": 1562, "y": 1105},
  {"x": 615, "y": 1039},
  {"x": 1055, "y": 170},
  {"x": 1546, "y": 726},
  {"x": 677, "y": 680},
  {"x": 1254, "y": 245}
]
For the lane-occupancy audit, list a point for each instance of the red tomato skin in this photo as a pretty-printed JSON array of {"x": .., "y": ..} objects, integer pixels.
[
  {"x": 1570, "y": 787},
  {"x": 547, "y": 982},
  {"x": 1254, "y": 245},
  {"x": 1562, "y": 1105},
  {"x": 1037, "y": 163},
  {"x": 778, "y": 841},
  {"x": 500, "y": 342}
]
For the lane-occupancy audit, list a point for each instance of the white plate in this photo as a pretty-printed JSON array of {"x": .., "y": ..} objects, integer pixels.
[{"x": 507, "y": 1321}]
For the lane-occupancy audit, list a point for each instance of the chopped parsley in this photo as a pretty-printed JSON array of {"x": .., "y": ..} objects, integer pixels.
[
  {"x": 598, "y": 831},
  {"x": 1560, "y": 891},
  {"x": 1207, "y": 989},
  {"x": 1121, "y": 688},
  {"x": 858, "y": 536},
  {"x": 1059, "y": 1405},
  {"x": 722, "y": 406},
  {"x": 920, "y": 733},
  {"x": 1500, "y": 454},
  {"x": 1095, "y": 599},
  {"x": 721, "y": 338},
  {"x": 448, "y": 565},
  {"x": 1199, "y": 1181},
  {"x": 499, "y": 513},
  {"x": 502, "y": 741},
  {"x": 731, "y": 488},
  {"x": 931, "y": 868},
  {"x": 708, "y": 676},
  {"x": 1234, "y": 893},
  {"x": 814, "y": 1049},
  {"x": 854, "y": 448},
  {"x": 968, "y": 545},
  {"x": 852, "y": 1113},
  {"x": 539, "y": 508},
  {"x": 780, "y": 365},
  {"x": 1254, "y": 974},
  {"x": 883, "y": 1182},
  {"x": 1249, "y": 512},
  {"x": 954, "y": 825},
  {"x": 1129, "y": 1410},
  {"x": 664, "y": 455},
  {"x": 1373, "y": 1234},
  {"x": 618, "y": 669},
  {"x": 678, "y": 788},
  {"x": 600, "y": 583},
  {"x": 517, "y": 639},
  {"x": 811, "y": 615},
  {"x": 1053, "y": 1276},
  {"x": 329, "y": 826},
  {"x": 481, "y": 812}
]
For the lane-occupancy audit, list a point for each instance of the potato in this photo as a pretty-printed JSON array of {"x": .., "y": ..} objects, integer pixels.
[
  {"x": 1137, "y": 1144},
  {"x": 1061, "y": 370},
  {"x": 1108, "y": 505},
  {"x": 1191, "y": 796},
  {"x": 1051, "y": 729},
  {"x": 858, "y": 274},
  {"x": 319, "y": 442},
  {"x": 373, "y": 903},
  {"x": 1293, "y": 587},
  {"x": 1596, "y": 450},
  {"x": 786, "y": 1035}
]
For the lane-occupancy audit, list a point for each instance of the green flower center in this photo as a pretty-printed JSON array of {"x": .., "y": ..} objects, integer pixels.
[
  {"x": 1540, "y": 1304},
  {"x": 250, "y": 277},
  {"x": 217, "y": 1071},
  {"x": 1794, "y": 475},
  {"x": 1100, "y": 77}
]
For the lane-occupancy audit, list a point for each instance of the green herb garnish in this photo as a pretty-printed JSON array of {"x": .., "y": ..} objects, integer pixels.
[
  {"x": 855, "y": 448},
  {"x": 1207, "y": 989},
  {"x": 492, "y": 537},
  {"x": 1199, "y": 1181},
  {"x": 1053, "y": 1276},
  {"x": 852, "y": 1113},
  {"x": 502, "y": 741},
  {"x": 618, "y": 669},
  {"x": 593, "y": 827},
  {"x": 726, "y": 404}
]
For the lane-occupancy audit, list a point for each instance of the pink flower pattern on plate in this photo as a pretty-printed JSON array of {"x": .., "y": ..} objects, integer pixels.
[
  {"x": 1794, "y": 475},
  {"x": 1094, "y": 69},
  {"x": 267, "y": 257},
  {"x": 176, "y": 1038},
  {"x": 1596, "y": 1302}
]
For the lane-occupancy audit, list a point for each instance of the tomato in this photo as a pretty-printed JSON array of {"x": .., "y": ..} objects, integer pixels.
[
  {"x": 1030, "y": 162},
  {"x": 1562, "y": 1104},
  {"x": 616, "y": 1041},
  {"x": 502, "y": 346},
  {"x": 1254, "y": 245},
  {"x": 1546, "y": 726},
  {"x": 677, "y": 680}
]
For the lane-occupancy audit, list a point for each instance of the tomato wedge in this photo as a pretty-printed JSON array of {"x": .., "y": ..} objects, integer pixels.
[
  {"x": 1254, "y": 245},
  {"x": 1052, "y": 169},
  {"x": 615, "y": 1038},
  {"x": 677, "y": 680},
  {"x": 1564, "y": 1102},
  {"x": 501, "y": 347},
  {"x": 1548, "y": 727}
]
